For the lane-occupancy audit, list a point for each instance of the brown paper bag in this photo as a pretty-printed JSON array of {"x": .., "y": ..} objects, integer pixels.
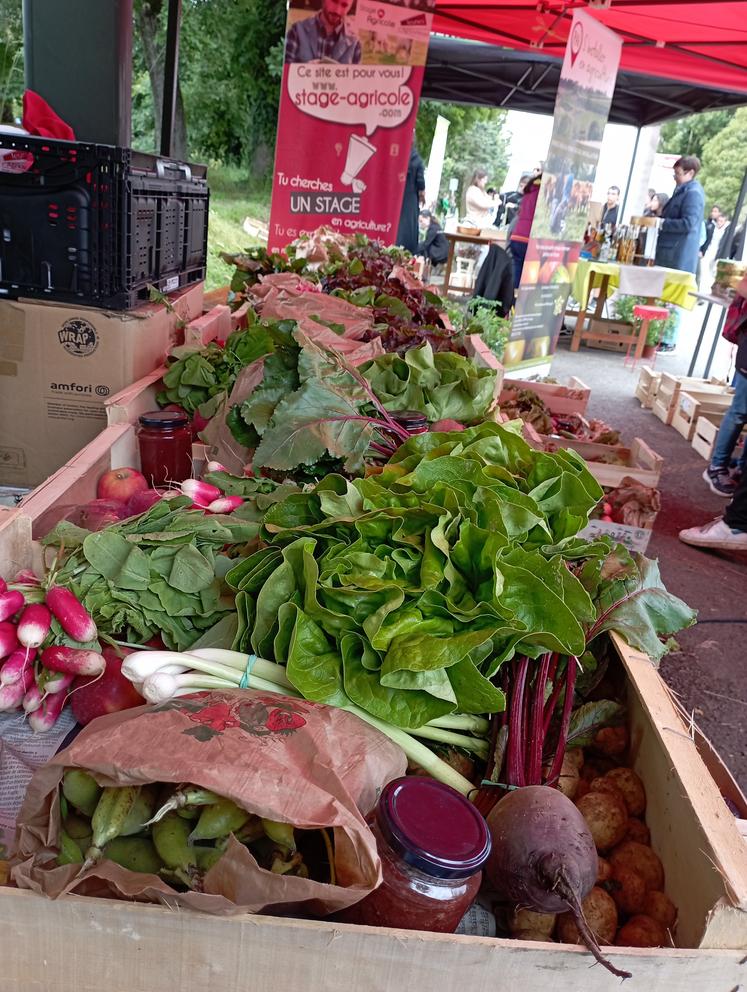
[{"x": 284, "y": 759}]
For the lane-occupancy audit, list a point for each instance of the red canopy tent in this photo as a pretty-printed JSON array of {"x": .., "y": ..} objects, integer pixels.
[{"x": 700, "y": 41}]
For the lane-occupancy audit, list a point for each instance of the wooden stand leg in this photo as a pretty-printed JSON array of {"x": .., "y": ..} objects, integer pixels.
[
  {"x": 641, "y": 343},
  {"x": 578, "y": 330}
]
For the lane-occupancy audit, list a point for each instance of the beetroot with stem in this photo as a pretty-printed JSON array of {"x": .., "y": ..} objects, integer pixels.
[{"x": 543, "y": 857}]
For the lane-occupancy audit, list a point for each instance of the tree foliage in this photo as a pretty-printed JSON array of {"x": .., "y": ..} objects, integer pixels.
[
  {"x": 725, "y": 161},
  {"x": 689, "y": 135},
  {"x": 11, "y": 60},
  {"x": 477, "y": 139}
]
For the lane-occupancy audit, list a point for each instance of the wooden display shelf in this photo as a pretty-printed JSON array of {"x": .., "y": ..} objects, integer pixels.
[
  {"x": 560, "y": 398},
  {"x": 692, "y": 405},
  {"x": 640, "y": 461},
  {"x": 668, "y": 393},
  {"x": 648, "y": 386}
]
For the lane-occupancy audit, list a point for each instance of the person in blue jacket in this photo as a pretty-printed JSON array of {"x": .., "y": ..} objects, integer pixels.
[{"x": 680, "y": 233}]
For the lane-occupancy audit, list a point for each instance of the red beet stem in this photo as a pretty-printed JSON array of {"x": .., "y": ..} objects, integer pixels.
[
  {"x": 537, "y": 730},
  {"x": 565, "y": 720}
]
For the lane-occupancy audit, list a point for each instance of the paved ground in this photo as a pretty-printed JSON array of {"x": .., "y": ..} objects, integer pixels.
[{"x": 710, "y": 672}]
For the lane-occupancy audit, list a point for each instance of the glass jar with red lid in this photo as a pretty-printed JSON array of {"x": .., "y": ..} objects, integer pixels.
[
  {"x": 165, "y": 442},
  {"x": 432, "y": 843}
]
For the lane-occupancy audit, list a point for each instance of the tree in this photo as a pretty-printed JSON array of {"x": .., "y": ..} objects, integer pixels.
[
  {"x": 150, "y": 25},
  {"x": 724, "y": 162},
  {"x": 689, "y": 135},
  {"x": 11, "y": 60},
  {"x": 477, "y": 139}
]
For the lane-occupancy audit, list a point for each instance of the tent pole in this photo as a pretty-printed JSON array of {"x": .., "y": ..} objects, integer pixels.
[
  {"x": 728, "y": 240},
  {"x": 170, "y": 77},
  {"x": 624, "y": 203}
]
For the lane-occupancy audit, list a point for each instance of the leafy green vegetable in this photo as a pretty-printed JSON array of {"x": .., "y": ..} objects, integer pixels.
[{"x": 441, "y": 385}]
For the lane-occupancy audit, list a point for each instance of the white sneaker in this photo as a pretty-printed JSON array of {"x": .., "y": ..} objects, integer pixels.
[{"x": 716, "y": 534}]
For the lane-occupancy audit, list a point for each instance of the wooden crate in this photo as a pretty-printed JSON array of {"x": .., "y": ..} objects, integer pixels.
[
  {"x": 692, "y": 405},
  {"x": 570, "y": 397},
  {"x": 130, "y": 403},
  {"x": 79, "y": 942},
  {"x": 75, "y": 483},
  {"x": 706, "y": 430},
  {"x": 641, "y": 461},
  {"x": 670, "y": 386},
  {"x": 648, "y": 386},
  {"x": 481, "y": 355}
]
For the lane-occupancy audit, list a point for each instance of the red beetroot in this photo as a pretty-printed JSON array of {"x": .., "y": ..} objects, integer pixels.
[
  {"x": 110, "y": 693},
  {"x": 34, "y": 625},
  {"x": 11, "y": 602},
  {"x": 71, "y": 614},
  {"x": 100, "y": 513},
  {"x": 74, "y": 661},
  {"x": 8, "y": 639}
]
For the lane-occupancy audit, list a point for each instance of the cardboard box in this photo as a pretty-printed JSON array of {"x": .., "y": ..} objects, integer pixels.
[{"x": 58, "y": 366}]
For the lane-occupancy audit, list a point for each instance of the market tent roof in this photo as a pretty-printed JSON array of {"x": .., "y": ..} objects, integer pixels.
[
  {"x": 701, "y": 41},
  {"x": 469, "y": 72}
]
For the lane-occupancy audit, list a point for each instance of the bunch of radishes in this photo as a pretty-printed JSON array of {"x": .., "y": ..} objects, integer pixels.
[{"x": 36, "y": 674}]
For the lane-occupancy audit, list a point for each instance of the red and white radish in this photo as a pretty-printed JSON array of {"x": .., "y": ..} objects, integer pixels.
[
  {"x": 73, "y": 661},
  {"x": 46, "y": 716},
  {"x": 11, "y": 695},
  {"x": 32, "y": 700},
  {"x": 71, "y": 615},
  {"x": 11, "y": 601},
  {"x": 15, "y": 665},
  {"x": 3, "y": 584},
  {"x": 215, "y": 467},
  {"x": 226, "y": 504},
  {"x": 27, "y": 578},
  {"x": 201, "y": 493},
  {"x": 34, "y": 625},
  {"x": 8, "y": 639},
  {"x": 57, "y": 682},
  {"x": 543, "y": 857}
]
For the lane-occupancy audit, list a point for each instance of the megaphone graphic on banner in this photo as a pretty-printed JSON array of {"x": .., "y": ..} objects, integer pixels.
[{"x": 360, "y": 151}]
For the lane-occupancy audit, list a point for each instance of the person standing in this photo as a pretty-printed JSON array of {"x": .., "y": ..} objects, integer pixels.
[
  {"x": 711, "y": 254},
  {"x": 413, "y": 199},
  {"x": 612, "y": 206},
  {"x": 519, "y": 240},
  {"x": 710, "y": 225},
  {"x": 727, "y": 533},
  {"x": 680, "y": 229}
]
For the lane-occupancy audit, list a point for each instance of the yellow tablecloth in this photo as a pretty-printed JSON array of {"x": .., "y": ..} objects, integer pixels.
[{"x": 677, "y": 285}]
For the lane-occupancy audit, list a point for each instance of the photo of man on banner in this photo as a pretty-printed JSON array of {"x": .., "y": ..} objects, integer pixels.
[{"x": 323, "y": 36}]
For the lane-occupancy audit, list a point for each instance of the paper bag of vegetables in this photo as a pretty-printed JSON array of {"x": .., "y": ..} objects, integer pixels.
[{"x": 234, "y": 791}]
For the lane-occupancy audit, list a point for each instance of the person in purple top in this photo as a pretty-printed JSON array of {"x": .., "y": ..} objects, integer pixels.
[{"x": 324, "y": 36}]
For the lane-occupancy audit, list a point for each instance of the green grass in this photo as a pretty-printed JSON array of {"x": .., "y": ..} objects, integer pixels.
[{"x": 232, "y": 199}]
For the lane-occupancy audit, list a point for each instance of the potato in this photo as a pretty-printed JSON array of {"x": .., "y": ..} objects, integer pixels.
[
  {"x": 612, "y": 741},
  {"x": 601, "y": 915},
  {"x": 660, "y": 907},
  {"x": 604, "y": 870},
  {"x": 603, "y": 784},
  {"x": 581, "y": 789},
  {"x": 631, "y": 787},
  {"x": 637, "y": 830},
  {"x": 575, "y": 756},
  {"x": 644, "y": 861},
  {"x": 568, "y": 779},
  {"x": 641, "y": 931},
  {"x": 523, "y": 924},
  {"x": 627, "y": 888},
  {"x": 606, "y": 818}
]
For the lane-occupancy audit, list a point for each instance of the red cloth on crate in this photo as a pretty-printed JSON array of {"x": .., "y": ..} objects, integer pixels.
[{"x": 40, "y": 119}]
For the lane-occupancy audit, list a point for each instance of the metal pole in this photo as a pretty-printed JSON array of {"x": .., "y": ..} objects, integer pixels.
[
  {"x": 716, "y": 336},
  {"x": 725, "y": 246},
  {"x": 170, "y": 76},
  {"x": 624, "y": 202}
]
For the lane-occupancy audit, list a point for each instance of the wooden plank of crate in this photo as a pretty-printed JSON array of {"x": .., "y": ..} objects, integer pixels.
[
  {"x": 211, "y": 326},
  {"x": 644, "y": 457},
  {"x": 130, "y": 403},
  {"x": 648, "y": 384},
  {"x": 16, "y": 551},
  {"x": 80, "y": 943},
  {"x": 479, "y": 352},
  {"x": 560, "y": 398},
  {"x": 686, "y": 815},
  {"x": 690, "y": 406}
]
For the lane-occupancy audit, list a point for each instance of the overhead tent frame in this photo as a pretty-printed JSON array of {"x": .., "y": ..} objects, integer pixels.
[
  {"x": 468, "y": 72},
  {"x": 701, "y": 41}
]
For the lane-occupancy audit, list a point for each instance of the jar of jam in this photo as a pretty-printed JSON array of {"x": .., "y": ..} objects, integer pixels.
[
  {"x": 432, "y": 843},
  {"x": 412, "y": 421},
  {"x": 165, "y": 442}
]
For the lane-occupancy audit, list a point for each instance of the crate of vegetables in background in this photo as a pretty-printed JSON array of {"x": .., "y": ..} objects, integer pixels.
[
  {"x": 559, "y": 398},
  {"x": 626, "y": 514}
]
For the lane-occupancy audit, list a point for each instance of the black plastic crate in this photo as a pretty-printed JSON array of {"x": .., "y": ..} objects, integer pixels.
[{"x": 99, "y": 225}]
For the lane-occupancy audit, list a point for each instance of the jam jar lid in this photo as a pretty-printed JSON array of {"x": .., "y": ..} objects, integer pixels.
[
  {"x": 165, "y": 419},
  {"x": 433, "y": 827}
]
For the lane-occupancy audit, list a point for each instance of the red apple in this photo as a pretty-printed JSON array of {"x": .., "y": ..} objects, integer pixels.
[
  {"x": 98, "y": 513},
  {"x": 109, "y": 693},
  {"x": 142, "y": 500},
  {"x": 121, "y": 484}
]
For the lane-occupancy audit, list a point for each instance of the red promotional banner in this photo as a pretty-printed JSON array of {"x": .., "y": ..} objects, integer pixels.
[{"x": 351, "y": 83}]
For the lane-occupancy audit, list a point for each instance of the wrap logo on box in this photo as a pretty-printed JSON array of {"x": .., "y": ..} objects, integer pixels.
[{"x": 78, "y": 337}]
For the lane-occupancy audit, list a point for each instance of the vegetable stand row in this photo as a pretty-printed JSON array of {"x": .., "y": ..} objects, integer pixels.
[{"x": 432, "y": 586}]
